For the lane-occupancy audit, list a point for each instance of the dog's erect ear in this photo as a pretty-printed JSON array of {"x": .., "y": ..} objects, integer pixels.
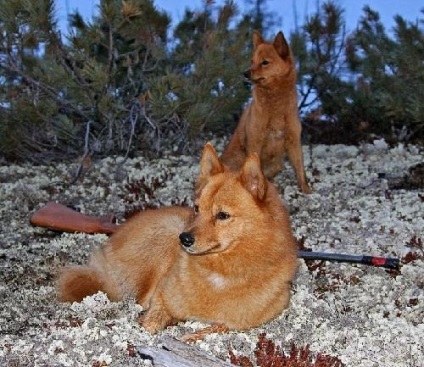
[
  {"x": 210, "y": 165},
  {"x": 252, "y": 177},
  {"x": 256, "y": 39},
  {"x": 281, "y": 46}
]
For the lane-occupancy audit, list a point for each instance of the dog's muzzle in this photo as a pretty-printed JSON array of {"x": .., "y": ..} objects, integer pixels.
[
  {"x": 247, "y": 74},
  {"x": 187, "y": 239}
]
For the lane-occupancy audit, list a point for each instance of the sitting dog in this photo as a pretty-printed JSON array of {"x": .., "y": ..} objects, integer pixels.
[{"x": 270, "y": 125}]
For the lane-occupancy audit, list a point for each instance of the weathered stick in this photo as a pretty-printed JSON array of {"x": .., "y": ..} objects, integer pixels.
[
  {"x": 61, "y": 218},
  {"x": 178, "y": 354}
]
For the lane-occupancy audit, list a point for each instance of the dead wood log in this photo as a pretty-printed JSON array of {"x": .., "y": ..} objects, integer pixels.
[{"x": 174, "y": 353}]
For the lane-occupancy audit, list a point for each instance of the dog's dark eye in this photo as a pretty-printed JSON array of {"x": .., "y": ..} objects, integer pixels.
[
  {"x": 222, "y": 216},
  {"x": 196, "y": 208},
  {"x": 265, "y": 62}
]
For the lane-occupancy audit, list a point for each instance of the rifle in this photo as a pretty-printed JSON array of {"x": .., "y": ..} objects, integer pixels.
[{"x": 62, "y": 218}]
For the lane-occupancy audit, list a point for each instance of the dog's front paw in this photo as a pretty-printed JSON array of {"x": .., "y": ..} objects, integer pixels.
[
  {"x": 200, "y": 334},
  {"x": 154, "y": 321},
  {"x": 305, "y": 189},
  {"x": 150, "y": 327}
]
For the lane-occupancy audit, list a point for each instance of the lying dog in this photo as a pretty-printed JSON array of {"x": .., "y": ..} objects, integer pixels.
[{"x": 229, "y": 262}]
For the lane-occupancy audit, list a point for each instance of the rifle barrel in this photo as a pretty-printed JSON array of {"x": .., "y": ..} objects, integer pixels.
[{"x": 386, "y": 262}]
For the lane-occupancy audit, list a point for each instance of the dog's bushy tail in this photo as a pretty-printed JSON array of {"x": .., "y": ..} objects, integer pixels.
[{"x": 75, "y": 283}]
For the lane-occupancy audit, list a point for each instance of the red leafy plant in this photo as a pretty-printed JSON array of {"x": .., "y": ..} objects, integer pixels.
[
  {"x": 269, "y": 355},
  {"x": 141, "y": 194},
  {"x": 417, "y": 250}
]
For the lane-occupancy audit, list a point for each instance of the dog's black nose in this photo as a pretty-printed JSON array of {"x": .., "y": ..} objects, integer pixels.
[
  {"x": 247, "y": 74},
  {"x": 187, "y": 239}
]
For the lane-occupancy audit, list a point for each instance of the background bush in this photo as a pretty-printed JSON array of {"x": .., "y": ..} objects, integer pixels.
[{"x": 125, "y": 81}]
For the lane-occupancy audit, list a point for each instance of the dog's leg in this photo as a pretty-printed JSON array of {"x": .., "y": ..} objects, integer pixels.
[
  {"x": 234, "y": 154},
  {"x": 156, "y": 317},
  {"x": 272, "y": 166},
  {"x": 295, "y": 155},
  {"x": 200, "y": 334},
  {"x": 296, "y": 159}
]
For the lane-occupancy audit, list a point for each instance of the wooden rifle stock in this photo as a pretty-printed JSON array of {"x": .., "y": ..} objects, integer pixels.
[{"x": 61, "y": 218}]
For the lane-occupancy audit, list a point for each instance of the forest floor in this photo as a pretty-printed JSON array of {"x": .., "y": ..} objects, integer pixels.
[{"x": 366, "y": 199}]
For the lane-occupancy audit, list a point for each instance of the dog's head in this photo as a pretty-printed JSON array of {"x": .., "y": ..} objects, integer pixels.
[
  {"x": 269, "y": 60},
  {"x": 228, "y": 208}
]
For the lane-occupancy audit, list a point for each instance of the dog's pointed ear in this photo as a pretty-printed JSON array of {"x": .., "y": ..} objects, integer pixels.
[
  {"x": 210, "y": 165},
  {"x": 252, "y": 177},
  {"x": 281, "y": 45},
  {"x": 256, "y": 39}
]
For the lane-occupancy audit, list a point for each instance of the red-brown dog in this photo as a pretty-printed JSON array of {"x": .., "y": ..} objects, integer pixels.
[
  {"x": 228, "y": 262},
  {"x": 270, "y": 125}
]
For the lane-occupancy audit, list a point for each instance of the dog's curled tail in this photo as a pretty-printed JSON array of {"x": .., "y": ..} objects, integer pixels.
[{"x": 76, "y": 282}]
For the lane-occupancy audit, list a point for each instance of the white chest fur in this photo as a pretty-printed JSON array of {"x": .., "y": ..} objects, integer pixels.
[{"x": 217, "y": 281}]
